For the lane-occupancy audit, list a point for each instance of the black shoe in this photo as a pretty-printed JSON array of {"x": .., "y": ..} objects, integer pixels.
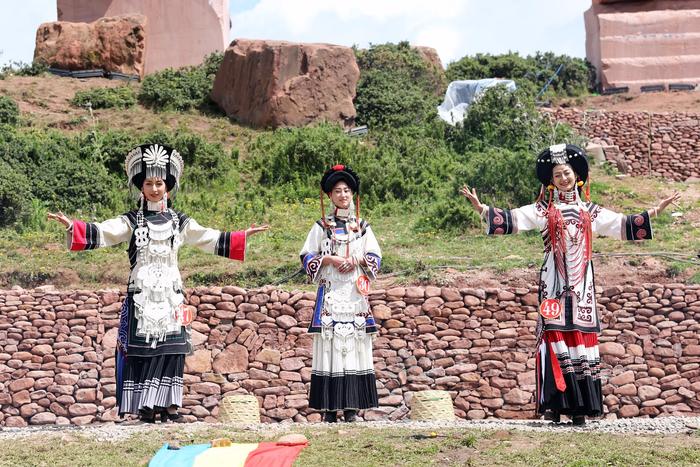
[
  {"x": 147, "y": 415},
  {"x": 579, "y": 420},
  {"x": 555, "y": 417},
  {"x": 350, "y": 416},
  {"x": 330, "y": 417},
  {"x": 173, "y": 417}
]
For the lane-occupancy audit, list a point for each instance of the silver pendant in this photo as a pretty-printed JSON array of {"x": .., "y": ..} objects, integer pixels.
[{"x": 141, "y": 237}]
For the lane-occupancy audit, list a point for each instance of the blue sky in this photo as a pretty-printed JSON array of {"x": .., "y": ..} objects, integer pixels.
[{"x": 454, "y": 27}]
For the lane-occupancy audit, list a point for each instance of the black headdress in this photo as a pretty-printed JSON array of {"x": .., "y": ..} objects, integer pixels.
[
  {"x": 339, "y": 173},
  {"x": 561, "y": 154}
]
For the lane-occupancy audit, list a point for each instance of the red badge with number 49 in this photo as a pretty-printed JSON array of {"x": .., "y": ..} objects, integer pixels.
[
  {"x": 362, "y": 284},
  {"x": 550, "y": 308}
]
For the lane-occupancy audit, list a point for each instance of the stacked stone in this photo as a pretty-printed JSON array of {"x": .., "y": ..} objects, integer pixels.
[
  {"x": 57, "y": 351},
  {"x": 663, "y": 144},
  {"x": 49, "y": 362},
  {"x": 651, "y": 346}
]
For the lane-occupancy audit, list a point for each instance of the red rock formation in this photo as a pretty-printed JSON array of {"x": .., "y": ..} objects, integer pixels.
[
  {"x": 180, "y": 32},
  {"x": 637, "y": 43},
  {"x": 277, "y": 83},
  {"x": 113, "y": 44}
]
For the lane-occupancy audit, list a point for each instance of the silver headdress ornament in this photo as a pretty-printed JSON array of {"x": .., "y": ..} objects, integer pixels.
[
  {"x": 558, "y": 152},
  {"x": 155, "y": 160}
]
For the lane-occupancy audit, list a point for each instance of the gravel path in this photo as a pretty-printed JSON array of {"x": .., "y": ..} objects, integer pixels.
[{"x": 117, "y": 432}]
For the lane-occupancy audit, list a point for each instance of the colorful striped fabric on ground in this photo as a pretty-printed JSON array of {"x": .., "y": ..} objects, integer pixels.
[{"x": 237, "y": 455}]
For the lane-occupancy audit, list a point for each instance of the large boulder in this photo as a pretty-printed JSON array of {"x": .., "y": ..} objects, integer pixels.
[
  {"x": 180, "y": 32},
  {"x": 114, "y": 44},
  {"x": 277, "y": 83},
  {"x": 635, "y": 44}
]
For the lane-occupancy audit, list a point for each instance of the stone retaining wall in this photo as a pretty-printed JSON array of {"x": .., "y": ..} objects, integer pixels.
[
  {"x": 664, "y": 144},
  {"x": 57, "y": 351}
]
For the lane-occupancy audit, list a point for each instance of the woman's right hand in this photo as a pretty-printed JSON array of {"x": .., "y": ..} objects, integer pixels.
[
  {"x": 473, "y": 198},
  {"x": 60, "y": 217}
]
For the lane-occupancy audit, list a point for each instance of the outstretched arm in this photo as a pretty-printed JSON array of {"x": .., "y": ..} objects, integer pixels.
[
  {"x": 228, "y": 244},
  {"x": 506, "y": 221},
  {"x": 90, "y": 235},
  {"x": 628, "y": 227}
]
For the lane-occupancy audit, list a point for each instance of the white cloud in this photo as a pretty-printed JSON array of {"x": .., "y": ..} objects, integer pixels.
[
  {"x": 454, "y": 27},
  {"x": 19, "y": 21}
]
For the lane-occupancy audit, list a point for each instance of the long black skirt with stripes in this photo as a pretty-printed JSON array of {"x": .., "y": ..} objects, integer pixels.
[
  {"x": 148, "y": 377},
  {"x": 342, "y": 376}
]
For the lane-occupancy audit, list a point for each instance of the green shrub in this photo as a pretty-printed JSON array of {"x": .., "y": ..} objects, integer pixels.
[
  {"x": 121, "y": 97},
  {"x": 509, "y": 120},
  {"x": 15, "y": 194},
  {"x": 530, "y": 73},
  {"x": 291, "y": 160},
  {"x": 9, "y": 111},
  {"x": 397, "y": 86},
  {"x": 60, "y": 175},
  {"x": 182, "y": 89},
  {"x": 22, "y": 69}
]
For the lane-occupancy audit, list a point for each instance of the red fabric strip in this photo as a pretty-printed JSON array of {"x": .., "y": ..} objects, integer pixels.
[
  {"x": 237, "y": 245},
  {"x": 556, "y": 369},
  {"x": 274, "y": 455},
  {"x": 78, "y": 241}
]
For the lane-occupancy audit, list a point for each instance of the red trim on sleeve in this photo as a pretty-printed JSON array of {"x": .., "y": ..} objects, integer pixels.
[
  {"x": 78, "y": 240},
  {"x": 237, "y": 245}
]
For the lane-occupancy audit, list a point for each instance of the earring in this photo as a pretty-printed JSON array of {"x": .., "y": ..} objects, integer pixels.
[
  {"x": 164, "y": 202},
  {"x": 141, "y": 201}
]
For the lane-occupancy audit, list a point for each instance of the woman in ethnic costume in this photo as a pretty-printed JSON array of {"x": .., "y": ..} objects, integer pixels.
[
  {"x": 154, "y": 323},
  {"x": 341, "y": 255},
  {"x": 567, "y": 360}
]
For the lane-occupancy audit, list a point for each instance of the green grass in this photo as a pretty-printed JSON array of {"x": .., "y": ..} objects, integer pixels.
[
  {"x": 370, "y": 446},
  {"x": 39, "y": 256}
]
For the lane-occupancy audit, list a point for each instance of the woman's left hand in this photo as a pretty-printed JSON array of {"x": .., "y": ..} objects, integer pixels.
[
  {"x": 347, "y": 266},
  {"x": 253, "y": 229},
  {"x": 665, "y": 202}
]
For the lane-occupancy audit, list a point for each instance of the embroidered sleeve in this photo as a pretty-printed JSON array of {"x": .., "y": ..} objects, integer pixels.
[
  {"x": 372, "y": 253},
  {"x": 312, "y": 265},
  {"x": 91, "y": 235},
  {"x": 638, "y": 227},
  {"x": 227, "y": 244},
  {"x": 615, "y": 225},
  {"x": 509, "y": 221},
  {"x": 310, "y": 253}
]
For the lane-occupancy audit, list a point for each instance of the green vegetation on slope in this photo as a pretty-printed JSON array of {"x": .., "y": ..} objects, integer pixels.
[{"x": 411, "y": 171}]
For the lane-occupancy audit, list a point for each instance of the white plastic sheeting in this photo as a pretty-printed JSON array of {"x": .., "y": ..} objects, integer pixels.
[{"x": 460, "y": 95}]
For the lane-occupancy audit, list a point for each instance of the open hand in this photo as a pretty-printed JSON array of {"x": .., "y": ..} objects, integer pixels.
[
  {"x": 665, "y": 202},
  {"x": 473, "y": 198},
  {"x": 253, "y": 229},
  {"x": 60, "y": 217}
]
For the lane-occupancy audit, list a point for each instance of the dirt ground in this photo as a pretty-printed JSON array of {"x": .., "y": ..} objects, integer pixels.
[
  {"x": 609, "y": 271},
  {"x": 681, "y": 101}
]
